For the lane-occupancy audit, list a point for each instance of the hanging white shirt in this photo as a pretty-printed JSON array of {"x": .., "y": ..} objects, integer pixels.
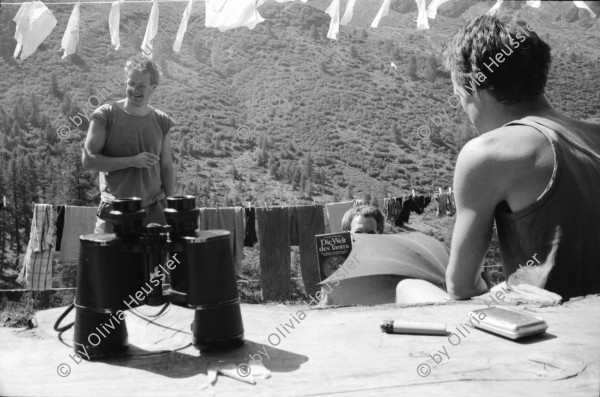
[
  {"x": 383, "y": 12},
  {"x": 495, "y": 8},
  {"x": 231, "y": 14},
  {"x": 22, "y": 20},
  {"x": 214, "y": 8},
  {"x": 582, "y": 5},
  {"x": 433, "y": 7},
  {"x": 35, "y": 22},
  {"x": 71, "y": 36},
  {"x": 182, "y": 27},
  {"x": 151, "y": 30},
  {"x": 348, "y": 13},
  {"x": 113, "y": 23},
  {"x": 422, "y": 22},
  {"x": 334, "y": 26}
]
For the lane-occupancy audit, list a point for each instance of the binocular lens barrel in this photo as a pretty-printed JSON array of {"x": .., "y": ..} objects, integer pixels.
[
  {"x": 182, "y": 215},
  {"x": 127, "y": 216}
]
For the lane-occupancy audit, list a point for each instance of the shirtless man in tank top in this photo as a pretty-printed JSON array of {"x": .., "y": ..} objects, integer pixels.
[
  {"x": 532, "y": 170},
  {"x": 129, "y": 144},
  {"x": 508, "y": 171}
]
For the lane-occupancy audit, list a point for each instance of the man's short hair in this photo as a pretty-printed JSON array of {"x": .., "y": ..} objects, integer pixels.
[
  {"x": 521, "y": 75},
  {"x": 368, "y": 211},
  {"x": 142, "y": 63}
]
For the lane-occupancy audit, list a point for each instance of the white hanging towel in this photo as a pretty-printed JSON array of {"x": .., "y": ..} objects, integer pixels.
[
  {"x": 231, "y": 14},
  {"x": 334, "y": 26},
  {"x": 534, "y": 3},
  {"x": 433, "y": 7},
  {"x": 383, "y": 12},
  {"x": 35, "y": 22},
  {"x": 71, "y": 36},
  {"x": 151, "y": 30},
  {"x": 113, "y": 23},
  {"x": 495, "y": 8},
  {"x": 348, "y": 13},
  {"x": 582, "y": 5},
  {"x": 182, "y": 27},
  {"x": 422, "y": 22}
]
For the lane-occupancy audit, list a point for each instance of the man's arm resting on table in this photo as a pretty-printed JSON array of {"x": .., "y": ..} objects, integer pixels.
[
  {"x": 167, "y": 171},
  {"x": 92, "y": 160},
  {"x": 480, "y": 183}
]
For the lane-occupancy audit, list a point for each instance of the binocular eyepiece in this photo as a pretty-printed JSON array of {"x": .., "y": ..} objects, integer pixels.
[{"x": 129, "y": 268}]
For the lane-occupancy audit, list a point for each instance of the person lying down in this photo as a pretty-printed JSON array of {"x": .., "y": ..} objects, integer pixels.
[
  {"x": 378, "y": 262},
  {"x": 410, "y": 268},
  {"x": 407, "y": 268}
]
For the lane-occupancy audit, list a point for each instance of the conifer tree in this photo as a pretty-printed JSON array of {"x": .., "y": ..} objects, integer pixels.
[
  {"x": 13, "y": 187},
  {"x": 54, "y": 89},
  {"x": 308, "y": 188},
  {"x": 411, "y": 67}
]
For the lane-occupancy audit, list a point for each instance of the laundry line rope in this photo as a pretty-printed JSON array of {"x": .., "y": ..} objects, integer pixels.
[{"x": 109, "y": 2}]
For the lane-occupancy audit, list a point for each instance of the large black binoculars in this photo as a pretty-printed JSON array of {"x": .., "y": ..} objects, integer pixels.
[{"x": 128, "y": 268}]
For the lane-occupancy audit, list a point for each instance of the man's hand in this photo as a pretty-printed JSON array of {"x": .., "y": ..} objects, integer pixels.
[
  {"x": 522, "y": 293},
  {"x": 145, "y": 160}
]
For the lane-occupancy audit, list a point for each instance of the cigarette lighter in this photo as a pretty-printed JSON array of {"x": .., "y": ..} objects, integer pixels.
[{"x": 410, "y": 327}]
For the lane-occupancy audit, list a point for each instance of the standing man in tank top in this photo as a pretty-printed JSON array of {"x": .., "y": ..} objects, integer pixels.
[
  {"x": 533, "y": 170},
  {"x": 129, "y": 145}
]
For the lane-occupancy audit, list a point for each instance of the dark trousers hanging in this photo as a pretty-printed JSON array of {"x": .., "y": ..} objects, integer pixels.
[
  {"x": 250, "y": 237},
  {"x": 310, "y": 221},
  {"x": 274, "y": 243}
]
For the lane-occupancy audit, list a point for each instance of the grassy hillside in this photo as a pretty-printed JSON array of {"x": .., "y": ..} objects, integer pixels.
[
  {"x": 250, "y": 102},
  {"x": 268, "y": 99}
]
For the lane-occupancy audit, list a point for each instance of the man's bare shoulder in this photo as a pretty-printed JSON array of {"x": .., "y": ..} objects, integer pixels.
[
  {"x": 505, "y": 144},
  {"x": 495, "y": 161}
]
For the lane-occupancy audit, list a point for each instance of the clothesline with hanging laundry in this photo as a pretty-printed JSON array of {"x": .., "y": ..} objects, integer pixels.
[
  {"x": 35, "y": 21},
  {"x": 9, "y": 205},
  {"x": 397, "y": 209},
  {"x": 57, "y": 229}
]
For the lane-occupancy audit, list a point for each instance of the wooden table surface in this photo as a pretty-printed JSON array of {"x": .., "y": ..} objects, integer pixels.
[{"x": 338, "y": 351}]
